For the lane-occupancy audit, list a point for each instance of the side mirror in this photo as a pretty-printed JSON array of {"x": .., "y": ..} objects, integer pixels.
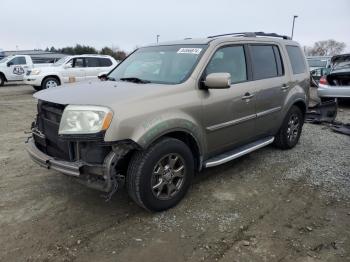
[
  {"x": 68, "y": 65},
  {"x": 102, "y": 76},
  {"x": 9, "y": 64},
  {"x": 218, "y": 81}
]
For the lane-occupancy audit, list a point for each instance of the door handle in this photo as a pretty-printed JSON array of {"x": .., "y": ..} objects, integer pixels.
[
  {"x": 247, "y": 96},
  {"x": 284, "y": 87}
]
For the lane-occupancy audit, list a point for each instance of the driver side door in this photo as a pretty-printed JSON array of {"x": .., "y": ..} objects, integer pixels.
[
  {"x": 17, "y": 68},
  {"x": 229, "y": 114},
  {"x": 76, "y": 72}
]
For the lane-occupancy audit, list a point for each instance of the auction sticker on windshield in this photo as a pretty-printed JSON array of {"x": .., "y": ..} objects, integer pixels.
[{"x": 194, "y": 51}]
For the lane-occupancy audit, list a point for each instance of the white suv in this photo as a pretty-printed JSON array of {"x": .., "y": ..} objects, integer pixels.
[{"x": 68, "y": 70}]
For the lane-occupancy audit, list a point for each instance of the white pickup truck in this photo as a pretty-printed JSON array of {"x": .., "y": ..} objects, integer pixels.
[{"x": 14, "y": 68}]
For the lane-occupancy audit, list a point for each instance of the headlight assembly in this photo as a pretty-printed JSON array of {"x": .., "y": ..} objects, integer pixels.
[
  {"x": 84, "y": 119},
  {"x": 35, "y": 72}
]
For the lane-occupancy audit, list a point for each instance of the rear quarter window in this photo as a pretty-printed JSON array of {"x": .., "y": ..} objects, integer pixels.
[{"x": 296, "y": 58}]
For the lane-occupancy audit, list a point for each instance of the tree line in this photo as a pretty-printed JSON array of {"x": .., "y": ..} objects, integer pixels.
[
  {"x": 82, "y": 49},
  {"x": 325, "y": 48}
]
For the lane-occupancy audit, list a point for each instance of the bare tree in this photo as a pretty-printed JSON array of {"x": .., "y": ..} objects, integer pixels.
[{"x": 325, "y": 48}]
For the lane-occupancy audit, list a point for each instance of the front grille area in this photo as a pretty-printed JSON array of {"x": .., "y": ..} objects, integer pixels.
[{"x": 47, "y": 122}]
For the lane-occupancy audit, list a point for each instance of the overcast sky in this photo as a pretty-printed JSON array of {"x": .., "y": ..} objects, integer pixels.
[{"x": 126, "y": 24}]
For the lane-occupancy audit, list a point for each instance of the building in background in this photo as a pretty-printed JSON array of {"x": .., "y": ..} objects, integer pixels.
[{"x": 38, "y": 56}]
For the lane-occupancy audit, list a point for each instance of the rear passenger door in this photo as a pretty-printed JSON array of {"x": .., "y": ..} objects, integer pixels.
[{"x": 272, "y": 86}]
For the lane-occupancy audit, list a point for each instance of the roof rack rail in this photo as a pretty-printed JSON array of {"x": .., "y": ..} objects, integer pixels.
[{"x": 253, "y": 34}]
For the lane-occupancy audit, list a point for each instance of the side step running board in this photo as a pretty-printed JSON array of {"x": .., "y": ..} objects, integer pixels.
[{"x": 238, "y": 152}]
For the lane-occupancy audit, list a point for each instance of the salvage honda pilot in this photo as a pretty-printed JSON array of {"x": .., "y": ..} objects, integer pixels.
[{"x": 169, "y": 110}]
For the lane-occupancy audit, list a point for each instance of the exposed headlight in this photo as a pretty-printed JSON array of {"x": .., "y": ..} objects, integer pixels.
[
  {"x": 35, "y": 72},
  {"x": 85, "y": 119}
]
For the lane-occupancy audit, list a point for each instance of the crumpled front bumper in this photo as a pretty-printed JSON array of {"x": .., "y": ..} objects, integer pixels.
[{"x": 67, "y": 168}]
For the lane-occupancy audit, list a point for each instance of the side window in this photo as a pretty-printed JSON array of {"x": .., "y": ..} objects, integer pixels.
[
  {"x": 231, "y": 60},
  {"x": 78, "y": 62},
  {"x": 92, "y": 62},
  {"x": 264, "y": 62},
  {"x": 19, "y": 60},
  {"x": 105, "y": 62},
  {"x": 296, "y": 59}
]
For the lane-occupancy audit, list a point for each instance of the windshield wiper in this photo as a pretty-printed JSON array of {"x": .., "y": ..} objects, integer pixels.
[{"x": 135, "y": 80}]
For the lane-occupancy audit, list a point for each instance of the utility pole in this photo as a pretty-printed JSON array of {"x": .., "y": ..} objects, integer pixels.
[
  {"x": 294, "y": 17},
  {"x": 158, "y": 38}
]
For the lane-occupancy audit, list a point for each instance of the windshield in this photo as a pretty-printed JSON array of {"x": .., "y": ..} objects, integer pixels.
[
  {"x": 60, "y": 62},
  {"x": 4, "y": 59},
  {"x": 159, "y": 64},
  {"x": 317, "y": 62}
]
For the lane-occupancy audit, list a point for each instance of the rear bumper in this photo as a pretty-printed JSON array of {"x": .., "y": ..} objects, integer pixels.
[
  {"x": 333, "y": 91},
  {"x": 67, "y": 168}
]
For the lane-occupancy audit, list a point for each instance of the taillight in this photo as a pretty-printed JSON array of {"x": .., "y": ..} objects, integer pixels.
[{"x": 323, "y": 80}]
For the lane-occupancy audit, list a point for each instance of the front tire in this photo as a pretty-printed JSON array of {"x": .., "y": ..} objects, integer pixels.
[
  {"x": 290, "y": 131},
  {"x": 159, "y": 177},
  {"x": 50, "y": 82},
  {"x": 37, "y": 88}
]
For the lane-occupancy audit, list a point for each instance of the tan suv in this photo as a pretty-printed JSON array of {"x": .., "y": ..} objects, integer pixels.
[{"x": 169, "y": 110}]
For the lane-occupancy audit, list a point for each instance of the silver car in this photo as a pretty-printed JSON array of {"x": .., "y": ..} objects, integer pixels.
[{"x": 337, "y": 83}]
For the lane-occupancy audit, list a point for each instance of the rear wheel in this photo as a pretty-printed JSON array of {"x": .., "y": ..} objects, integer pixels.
[
  {"x": 290, "y": 131},
  {"x": 50, "y": 82},
  {"x": 2, "y": 80},
  {"x": 159, "y": 177}
]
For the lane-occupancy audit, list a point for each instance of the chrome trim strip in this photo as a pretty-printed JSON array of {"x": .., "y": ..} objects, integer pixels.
[
  {"x": 269, "y": 111},
  {"x": 239, "y": 154},
  {"x": 231, "y": 123}
]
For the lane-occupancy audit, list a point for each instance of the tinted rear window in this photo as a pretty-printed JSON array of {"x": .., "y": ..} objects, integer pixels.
[
  {"x": 105, "y": 62},
  {"x": 264, "y": 62},
  {"x": 296, "y": 59}
]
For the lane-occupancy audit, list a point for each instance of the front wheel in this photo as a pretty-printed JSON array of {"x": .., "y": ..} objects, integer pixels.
[
  {"x": 290, "y": 131},
  {"x": 159, "y": 177},
  {"x": 37, "y": 88},
  {"x": 50, "y": 82}
]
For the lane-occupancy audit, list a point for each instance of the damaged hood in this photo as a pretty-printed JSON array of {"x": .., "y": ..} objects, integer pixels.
[{"x": 104, "y": 93}]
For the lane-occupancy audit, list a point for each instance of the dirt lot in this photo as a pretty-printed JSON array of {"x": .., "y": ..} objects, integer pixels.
[{"x": 271, "y": 205}]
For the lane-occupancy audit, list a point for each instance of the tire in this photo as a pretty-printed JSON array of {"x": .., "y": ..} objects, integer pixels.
[
  {"x": 37, "y": 88},
  {"x": 50, "y": 82},
  {"x": 290, "y": 131},
  {"x": 2, "y": 80},
  {"x": 153, "y": 179}
]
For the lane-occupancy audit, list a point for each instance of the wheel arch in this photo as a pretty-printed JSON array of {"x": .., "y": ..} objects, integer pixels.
[
  {"x": 188, "y": 138},
  {"x": 3, "y": 75},
  {"x": 301, "y": 104}
]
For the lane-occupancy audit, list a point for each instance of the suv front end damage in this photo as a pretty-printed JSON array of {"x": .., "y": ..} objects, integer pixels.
[{"x": 93, "y": 162}]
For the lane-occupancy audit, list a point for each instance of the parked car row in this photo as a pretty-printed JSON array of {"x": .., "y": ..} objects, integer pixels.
[{"x": 66, "y": 70}]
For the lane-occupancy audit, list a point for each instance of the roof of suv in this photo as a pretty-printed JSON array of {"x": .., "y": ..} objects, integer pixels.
[{"x": 259, "y": 37}]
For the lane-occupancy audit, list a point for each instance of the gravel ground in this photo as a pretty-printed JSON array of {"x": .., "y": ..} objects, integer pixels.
[{"x": 270, "y": 205}]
